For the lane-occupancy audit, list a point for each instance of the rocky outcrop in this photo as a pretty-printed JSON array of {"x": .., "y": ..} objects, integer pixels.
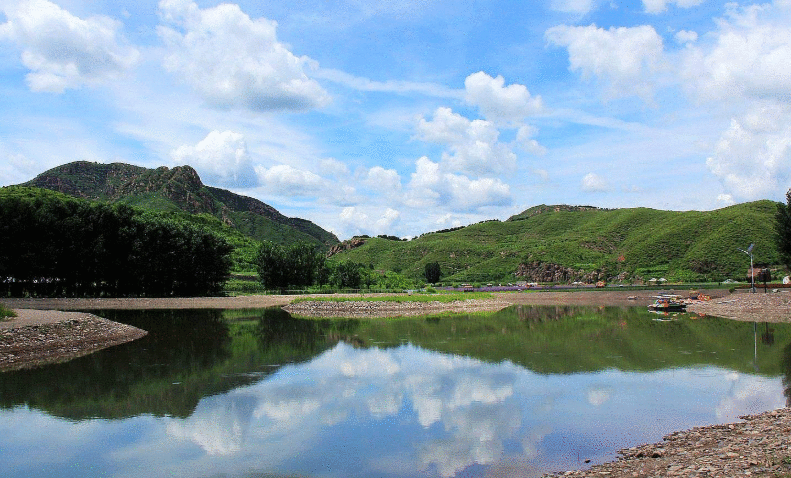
[{"x": 346, "y": 246}]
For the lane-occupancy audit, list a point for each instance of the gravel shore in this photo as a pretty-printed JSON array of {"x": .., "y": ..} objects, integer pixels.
[
  {"x": 366, "y": 309},
  {"x": 759, "y": 446},
  {"x": 39, "y": 337},
  {"x": 758, "y": 307}
]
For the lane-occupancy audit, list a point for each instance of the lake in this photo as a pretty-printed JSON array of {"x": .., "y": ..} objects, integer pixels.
[{"x": 258, "y": 393}]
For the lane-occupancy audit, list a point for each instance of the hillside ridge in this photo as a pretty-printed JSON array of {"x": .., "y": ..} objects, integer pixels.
[
  {"x": 566, "y": 244},
  {"x": 178, "y": 188}
]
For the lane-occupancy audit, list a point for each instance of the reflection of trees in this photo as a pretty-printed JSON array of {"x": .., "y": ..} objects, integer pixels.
[
  {"x": 299, "y": 339},
  {"x": 180, "y": 344},
  {"x": 786, "y": 366},
  {"x": 568, "y": 339},
  {"x": 768, "y": 336},
  {"x": 187, "y": 355},
  {"x": 540, "y": 314}
]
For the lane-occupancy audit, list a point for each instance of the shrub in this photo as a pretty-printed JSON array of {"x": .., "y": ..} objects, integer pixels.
[{"x": 6, "y": 313}]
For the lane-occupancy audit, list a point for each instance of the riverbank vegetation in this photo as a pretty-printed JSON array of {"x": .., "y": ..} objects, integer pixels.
[
  {"x": 6, "y": 313},
  {"x": 55, "y": 245}
]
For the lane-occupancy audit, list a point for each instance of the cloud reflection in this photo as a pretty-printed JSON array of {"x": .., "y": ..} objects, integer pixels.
[
  {"x": 466, "y": 406},
  {"x": 401, "y": 411}
]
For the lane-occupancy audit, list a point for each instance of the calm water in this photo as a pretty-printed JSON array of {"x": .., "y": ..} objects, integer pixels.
[{"x": 259, "y": 393}]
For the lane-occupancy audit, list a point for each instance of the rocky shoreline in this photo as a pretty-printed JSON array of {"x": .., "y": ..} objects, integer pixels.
[
  {"x": 747, "y": 307},
  {"x": 38, "y": 338},
  {"x": 759, "y": 446},
  {"x": 372, "y": 309}
]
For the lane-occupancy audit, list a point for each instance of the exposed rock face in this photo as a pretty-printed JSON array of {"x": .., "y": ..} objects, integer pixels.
[
  {"x": 346, "y": 246},
  {"x": 548, "y": 272}
]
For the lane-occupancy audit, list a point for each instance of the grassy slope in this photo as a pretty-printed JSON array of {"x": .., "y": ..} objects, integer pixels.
[{"x": 683, "y": 245}]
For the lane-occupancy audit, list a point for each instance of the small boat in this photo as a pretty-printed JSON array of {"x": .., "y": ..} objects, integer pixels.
[{"x": 668, "y": 303}]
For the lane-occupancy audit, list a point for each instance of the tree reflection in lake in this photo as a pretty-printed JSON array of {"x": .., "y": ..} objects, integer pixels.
[
  {"x": 102, "y": 384},
  {"x": 526, "y": 390},
  {"x": 787, "y": 373}
]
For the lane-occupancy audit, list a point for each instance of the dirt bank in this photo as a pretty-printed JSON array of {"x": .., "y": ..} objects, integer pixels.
[{"x": 39, "y": 337}]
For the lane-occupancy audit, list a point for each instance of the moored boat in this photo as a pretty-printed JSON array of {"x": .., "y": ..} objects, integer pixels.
[{"x": 668, "y": 303}]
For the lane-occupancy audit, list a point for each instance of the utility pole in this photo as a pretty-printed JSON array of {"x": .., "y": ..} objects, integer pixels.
[{"x": 749, "y": 252}]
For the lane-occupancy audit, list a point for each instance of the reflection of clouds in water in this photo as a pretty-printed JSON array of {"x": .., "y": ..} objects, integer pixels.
[
  {"x": 422, "y": 410},
  {"x": 531, "y": 441},
  {"x": 217, "y": 425},
  {"x": 476, "y": 435},
  {"x": 748, "y": 394},
  {"x": 599, "y": 395},
  {"x": 466, "y": 397},
  {"x": 375, "y": 364}
]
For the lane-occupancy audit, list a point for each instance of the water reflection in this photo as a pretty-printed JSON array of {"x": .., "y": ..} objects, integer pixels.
[{"x": 521, "y": 392}]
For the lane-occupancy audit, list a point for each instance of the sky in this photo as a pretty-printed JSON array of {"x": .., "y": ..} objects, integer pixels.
[{"x": 407, "y": 117}]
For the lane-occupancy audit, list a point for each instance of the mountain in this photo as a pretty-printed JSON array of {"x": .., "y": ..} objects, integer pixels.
[
  {"x": 179, "y": 189},
  {"x": 581, "y": 243}
]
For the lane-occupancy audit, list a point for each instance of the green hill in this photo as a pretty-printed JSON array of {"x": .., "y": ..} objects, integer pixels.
[
  {"x": 179, "y": 189},
  {"x": 565, "y": 244}
]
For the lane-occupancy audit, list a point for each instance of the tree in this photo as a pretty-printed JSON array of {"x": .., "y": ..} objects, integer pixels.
[
  {"x": 51, "y": 244},
  {"x": 783, "y": 230},
  {"x": 347, "y": 275},
  {"x": 433, "y": 272},
  {"x": 282, "y": 266},
  {"x": 271, "y": 265}
]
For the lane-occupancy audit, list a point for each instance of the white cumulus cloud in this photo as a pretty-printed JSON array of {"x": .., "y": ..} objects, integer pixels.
[
  {"x": 290, "y": 181},
  {"x": 63, "y": 51},
  {"x": 753, "y": 157},
  {"x": 743, "y": 63},
  {"x": 232, "y": 60},
  {"x": 500, "y": 103},
  {"x": 431, "y": 186},
  {"x": 220, "y": 158},
  {"x": 525, "y": 140},
  {"x": 626, "y": 58},
  {"x": 748, "y": 56},
  {"x": 594, "y": 183},
  {"x": 685, "y": 36},
  {"x": 384, "y": 181},
  {"x": 473, "y": 144},
  {"x": 376, "y": 220}
]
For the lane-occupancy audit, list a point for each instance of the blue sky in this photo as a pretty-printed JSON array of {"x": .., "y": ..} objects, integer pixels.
[{"x": 406, "y": 117}]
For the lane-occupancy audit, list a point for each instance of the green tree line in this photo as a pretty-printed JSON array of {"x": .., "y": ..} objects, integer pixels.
[
  {"x": 302, "y": 265},
  {"x": 54, "y": 245}
]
